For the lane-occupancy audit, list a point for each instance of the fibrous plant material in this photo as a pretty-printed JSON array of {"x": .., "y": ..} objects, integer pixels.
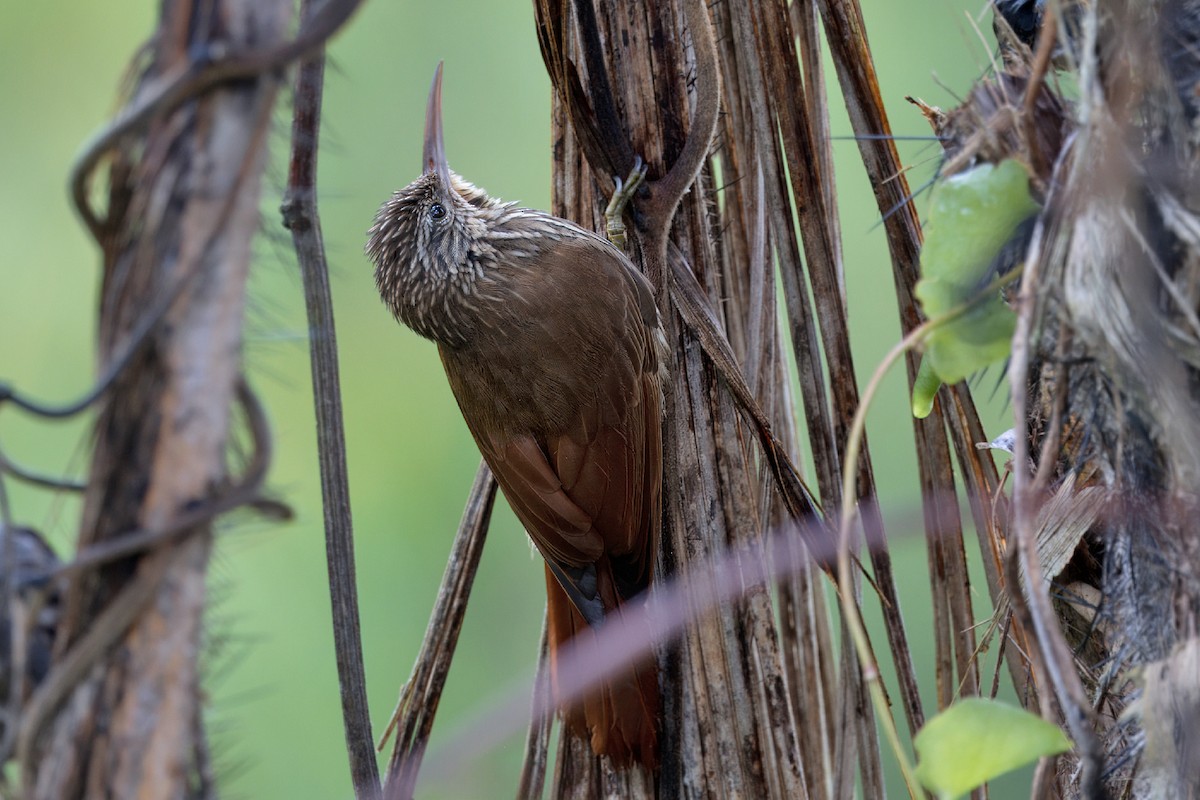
[
  {"x": 119, "y": 712},
  {"x": 744, "y": 696},
  {"x": 758, "y": 704},
  {"x": 1105, "y": 374}
]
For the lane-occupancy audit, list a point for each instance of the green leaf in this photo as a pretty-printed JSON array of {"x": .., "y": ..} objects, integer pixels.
[
  {"x": 972, "y": 216},
  {"x": 976, "y": 740},
  {"x": 925, "y": 389}
]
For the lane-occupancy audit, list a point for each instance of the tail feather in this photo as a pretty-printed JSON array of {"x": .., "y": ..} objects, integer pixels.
[{"x": 620, "y": 718}]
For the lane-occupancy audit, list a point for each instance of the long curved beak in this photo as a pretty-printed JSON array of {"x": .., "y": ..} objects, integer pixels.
[{"x": 435, "y": 148}]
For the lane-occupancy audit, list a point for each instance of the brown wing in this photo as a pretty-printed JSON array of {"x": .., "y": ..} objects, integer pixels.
[
  {"x": 566, "y": 410},
  {"x": 564, "y": 400}
]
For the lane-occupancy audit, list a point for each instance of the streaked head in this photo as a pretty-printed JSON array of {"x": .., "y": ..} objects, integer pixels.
[{"x": 423, "y": 234}]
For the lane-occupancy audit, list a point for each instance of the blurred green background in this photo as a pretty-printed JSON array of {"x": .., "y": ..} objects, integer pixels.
[{"x": 275, "y": 713}]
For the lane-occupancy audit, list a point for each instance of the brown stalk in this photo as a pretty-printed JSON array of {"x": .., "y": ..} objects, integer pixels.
[
  {"x": 537, "y": 743},
  {"x": 694, "y": 700},
  {"x": 193, "y": 77},
  {"x": 171, "y": 388},
  {"x": 1028, "y": 586},
  {"x": 419, "y": 699},
  {"x": 749, "y": 155},
  {"x": 710, "y": 584},
  {"x": 159, "y": 97},
  {"x": 693, "y": 277},
  {"x": 120, "y": 708},
  {"x": 301, "y": 217},
  {"x": 116, "y": 619},
  {"x": 953, "y": 610}
]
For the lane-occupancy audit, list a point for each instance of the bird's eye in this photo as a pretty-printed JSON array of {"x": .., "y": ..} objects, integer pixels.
[{"x": 436, "y": 211}]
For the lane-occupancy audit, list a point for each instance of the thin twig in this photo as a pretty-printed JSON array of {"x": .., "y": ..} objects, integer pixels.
[
  {"x": 537, "y": 743},
  {"x": 693, "y": 307},
  {"x": 301, "y": 217},
  {"x": 1022, "y": 566},
  {"x": 666, "y": 192},
  {"x": 21, "y": 473},
  {"x": 1041, "y": 63},
  {"x": 422, "y": 693},
  {"x": 116, "y": 618},
  {"x": 169, "y": 91},
  {"x": 69, "y": 670},
  {"x": 246, "y": 491},
  {"x": 854, "y": 441}
]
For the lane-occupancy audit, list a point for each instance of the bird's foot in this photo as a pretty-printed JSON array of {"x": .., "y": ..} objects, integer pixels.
[{"x": 622, "y": 194}]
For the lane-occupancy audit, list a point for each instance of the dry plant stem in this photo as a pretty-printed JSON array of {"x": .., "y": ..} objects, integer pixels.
[
  {"x": 1047, "y": 38},
  {"x": 687, "y": 295},
  {"x": 130, "y": 632},
  {"x": 846, "y": 34},
  {"x": 818, "y": 226},
  {"x": 193, "y": 78},
  {"x": 106, "y": 630},
  {"x": 805, "y": 22},
  {"x": 1024, "y": 568},
  {"x": 665, "y": 193},
  {"x": 301, "y": 217},
  {"x": 693, "y": 307},
  {"x": 422, "y": 693},
  {"x": 187, "y": 386},
  {"x": 845, "y": 574},
  {"x": 10, "y": 467},
  {"x": 86, "y": 653},
  {"x": 537, "y": 743},
  {"x": 846, "y": 589},
  {"x": 244, "y": 492},
  {"x": 757, "y": 240}
]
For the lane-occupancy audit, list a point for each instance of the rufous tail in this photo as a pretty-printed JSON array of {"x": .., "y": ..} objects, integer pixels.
[{"x": 620, "y": 719}]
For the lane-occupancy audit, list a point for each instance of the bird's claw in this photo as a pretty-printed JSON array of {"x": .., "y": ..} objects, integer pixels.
[{"x": 622, "y": 193}]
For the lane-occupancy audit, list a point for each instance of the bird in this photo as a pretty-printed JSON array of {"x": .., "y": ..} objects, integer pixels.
[{"x": 554, "y": 350}]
